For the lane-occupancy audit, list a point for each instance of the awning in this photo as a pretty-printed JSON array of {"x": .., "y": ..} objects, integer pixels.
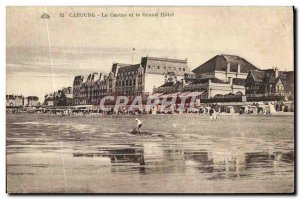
[
  {"x": 194, "y": 94},
  {"x": 183, "y": 94},
  {"x": 156, "y": 94},
  {"x": 174, "y": 94},
  {"x": 164, "y": 96}
]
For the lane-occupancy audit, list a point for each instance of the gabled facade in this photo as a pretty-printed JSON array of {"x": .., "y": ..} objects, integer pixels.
[
  {"x": 31, "y": 101},
  {"x": 268, "y": 82},
  {"x": 14, "y": 100},
  {"x": 77, "y": 85},
  {"x": 129, "y": 80},
  {"x": 261, "y": 81}
]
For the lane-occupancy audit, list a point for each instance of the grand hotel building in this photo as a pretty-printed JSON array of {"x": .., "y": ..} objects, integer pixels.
[{"x": 128, "y": 79}]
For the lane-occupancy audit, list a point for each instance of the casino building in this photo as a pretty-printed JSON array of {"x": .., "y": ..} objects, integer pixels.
[{"x": 220, "y": 76}]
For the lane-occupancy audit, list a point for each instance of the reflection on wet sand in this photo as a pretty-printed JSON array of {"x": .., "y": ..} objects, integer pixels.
[
  {"x": 216, "y": 165},
  {"x": 99, "y": 156}
]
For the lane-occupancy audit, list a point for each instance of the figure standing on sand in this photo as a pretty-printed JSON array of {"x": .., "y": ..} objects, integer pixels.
[
  {"x": 136, "y": 130},
  {"x": 139, "y": 123},
  {"x": 213, "y": 114}
]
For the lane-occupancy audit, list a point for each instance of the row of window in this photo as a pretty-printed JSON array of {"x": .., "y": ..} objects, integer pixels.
[
  {"x": 165, "y": 68},
  {"x": 127, "y": 83},
  {"x": 127, "y": 73}
]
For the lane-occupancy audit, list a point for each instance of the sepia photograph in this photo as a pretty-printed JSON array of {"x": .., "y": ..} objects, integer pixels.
[{"x": 150, "y": 100}]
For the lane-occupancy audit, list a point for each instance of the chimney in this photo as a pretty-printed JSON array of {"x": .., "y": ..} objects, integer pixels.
[
  {"x": 239, "y": 69},
  {"x": 228, "y": 67},
  {"x": 230, "y": 80},
  {"x": 276, "y": 72}
]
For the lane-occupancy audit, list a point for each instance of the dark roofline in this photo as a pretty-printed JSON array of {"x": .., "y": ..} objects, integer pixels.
[
  {"x": 205, "y": 80},
  {"x": 198, "y": 67},
  {"x": 230, "y": 55},
  {"x": 166, "y": 59},
  {"x": 122, "y": 64},
  {"x": 129, "y": 66},
  {"x": 33, "y": 97}
]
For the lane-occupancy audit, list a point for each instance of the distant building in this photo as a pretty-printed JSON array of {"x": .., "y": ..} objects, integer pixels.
[
  {"x": 50, "y": 99},
  {"x": 158, "y": 70},
  {"x": 63, "y": 97},
  {"x": 20, "y": 100},
  {"x": 77, "y": 85},
  {"x": 68, "y": 91},
  {"x": 14, "y": 100},
  {"x": 128, "y": 79},
  {"x": 31, "y": 101},
  {"x": 140, "y": 79},
  {"x": 224, "y": 67},
  {"x": 93, "y": 89},
  {"x": 288, "y": 78},
  {"x": 270, "y": 81}
]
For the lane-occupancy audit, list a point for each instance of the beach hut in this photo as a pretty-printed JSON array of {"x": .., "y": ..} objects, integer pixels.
[
  {"x": 270, "y": 109},
  {"x": 230, "y": 109}
]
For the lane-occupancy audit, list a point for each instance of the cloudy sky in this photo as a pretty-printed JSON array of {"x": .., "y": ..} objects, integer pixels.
[{"x": 262, "y": 35}]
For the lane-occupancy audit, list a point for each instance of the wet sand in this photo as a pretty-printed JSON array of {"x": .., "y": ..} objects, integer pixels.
[{"x": 185, "y": 153}]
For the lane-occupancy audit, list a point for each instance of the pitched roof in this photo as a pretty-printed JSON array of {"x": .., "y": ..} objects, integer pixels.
[
  {"x": 167, "y": 84},
  {"x": 268, "y": 76},
  {"x": 129, "y": 68},
  {"x": 164, "y": 59},
  {"x": 219, "y": 63},
  {"x": 33, "y": 98},
  {"x": 288, "y": 77},
  {"x": 258, "y": 75},
  {"x": 14, "y": 97},
  {"x": 205, "y": 80}
]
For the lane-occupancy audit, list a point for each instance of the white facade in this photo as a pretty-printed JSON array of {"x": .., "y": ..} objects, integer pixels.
[
  {"x": 223, "y": 75},
  {"x": 224, "y": 89}
]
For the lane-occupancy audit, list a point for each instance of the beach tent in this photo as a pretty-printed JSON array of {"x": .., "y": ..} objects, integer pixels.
[
  {"x": 230, "y": 109},
  {"x": 270, "y": 109}
]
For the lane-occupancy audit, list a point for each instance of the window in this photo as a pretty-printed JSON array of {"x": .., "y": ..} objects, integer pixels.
[
  {"x": 179, "y": 69},
  {"x": 183, "y": 69},
  {"x": 149, "y": 66},
  {"x": 158, "y": 67}
]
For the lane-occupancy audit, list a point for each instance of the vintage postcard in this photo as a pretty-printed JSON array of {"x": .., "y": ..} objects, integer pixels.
[{"x": 150, "y": 100}]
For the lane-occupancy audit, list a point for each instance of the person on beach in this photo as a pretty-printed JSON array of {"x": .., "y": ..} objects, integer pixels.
[
  {"x": 211, "y": 111},
  {"x": 139, "y": 123},
  {"x": 215, "y": 116}
]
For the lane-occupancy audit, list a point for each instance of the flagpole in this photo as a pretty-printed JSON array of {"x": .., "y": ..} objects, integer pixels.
[{"x": 132, "y": 57}]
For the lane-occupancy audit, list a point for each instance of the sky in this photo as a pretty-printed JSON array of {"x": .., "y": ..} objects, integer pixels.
[{"x": 41, "y": 58}]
